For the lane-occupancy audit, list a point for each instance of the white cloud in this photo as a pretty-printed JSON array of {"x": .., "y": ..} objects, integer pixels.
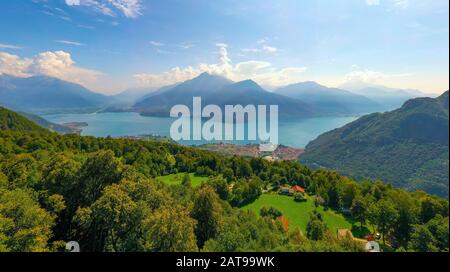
[
  {"x": 14, "y": 65},
  {"x": 364, "y": 75},
  {"x": 57, "y": 64},
  {"x": 261, "y": 71},
  {"x": 154, "y": 43},
  {"x": 251, "y": 50},
  {"x": 419, "y": 6},
  {"x": 73, "y": 2},
  {"x": 265, "y": 49},
  {"x": 65, "y": 18},
  {"x": 401, "y": 3},
  {"x": 270, "y": 49},
  {"x": 396, "y": 3},
  {"x": 9, "y": 46},
  {"x": 160, "y": 51},
  {"x": 262, "y": 41},
  {"x": 129, "y": 8},
  {"x": 70, "y": 43},
  {"x": 370, "y": 76},
  {"x": 222, "y": 45},
  {"x": 186, "y": 45},
  {"x": 251, "y": 68},
  {"x": 373, "y": 2}
]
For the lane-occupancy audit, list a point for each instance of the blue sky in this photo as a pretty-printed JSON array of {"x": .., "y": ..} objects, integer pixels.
[{"x": 112, "y": 45}]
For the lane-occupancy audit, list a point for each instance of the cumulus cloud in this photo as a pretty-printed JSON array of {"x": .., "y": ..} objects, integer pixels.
[
  {"x": 129, "y": 8},
  {"x": 370, "y": 76},
  {"x": 14, "y": 65},
  {"x": 261, "y": 71},
  {"x": 57, "y": 64}
]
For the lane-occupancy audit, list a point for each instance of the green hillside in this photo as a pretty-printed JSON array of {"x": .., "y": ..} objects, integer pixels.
[
  {"x": 10, "y": 120},
  {"x": 298, "y": 213},
  {"x": 104, "y": 194},
  {"x": 49, "y": 125},
  {"x": 407, "y": 147},
  {"x": 176, "y": 179}
]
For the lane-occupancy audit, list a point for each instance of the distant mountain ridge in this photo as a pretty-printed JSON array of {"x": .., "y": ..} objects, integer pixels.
[
  {"x": 160, "y": 103},
  {"x": 220, "y": 91},
  {"x": 408, "y": 147},
  {"x": 47, "y": 94},
  {"x": 329, "y": 100},
  {"x": 388, "y": 98}
]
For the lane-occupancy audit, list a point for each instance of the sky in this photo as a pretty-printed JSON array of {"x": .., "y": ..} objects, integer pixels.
[{"x": 112, "y": 45}]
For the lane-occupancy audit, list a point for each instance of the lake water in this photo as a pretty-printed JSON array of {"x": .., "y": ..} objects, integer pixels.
[{"x": 296, "y": 133}]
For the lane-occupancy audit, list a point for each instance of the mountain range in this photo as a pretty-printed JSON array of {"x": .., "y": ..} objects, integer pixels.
[
  {"x": 387, "y": 98},
  {"x": 220, "y": 91},
  {"x": 42, "y": 94},
  {"x": 407, "y": 147},
  {"x": 330, "y": 100}
]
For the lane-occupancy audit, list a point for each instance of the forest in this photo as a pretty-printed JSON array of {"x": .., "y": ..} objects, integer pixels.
[{"x": 104, "y": 194}]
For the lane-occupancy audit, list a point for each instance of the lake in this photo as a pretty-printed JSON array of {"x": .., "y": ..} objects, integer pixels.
[{"x": 295, "y": 133}]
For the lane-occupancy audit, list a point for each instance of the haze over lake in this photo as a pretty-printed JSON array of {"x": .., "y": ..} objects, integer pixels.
[{"x": 295, "y": 133}]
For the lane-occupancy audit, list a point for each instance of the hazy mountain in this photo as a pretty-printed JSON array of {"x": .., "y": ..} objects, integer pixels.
[
  {"x": 220, "y": 91},
  {"x": 408, "y": 147},
  {"x": 47, "y": 94},
  {"x": 329, "y": 100},
  {"x": 157, "y": 92},
  {"x": 388, "y": 98},
  {"x": 160, "y": 103},
  {"x": 131, "y": 96},
  {"x": 249, "y": 92}
]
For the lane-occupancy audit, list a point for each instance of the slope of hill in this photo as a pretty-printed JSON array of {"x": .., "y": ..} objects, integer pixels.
[
  {"x": 408, "y": 147},
  {"x": 47, "y": 94},
  {"x": 127, "y": 183},
  {"x": 220, "y": 91},
  {"x": 10, "y": 120},
  {"x": 330, "y": 100},
  {"x": 63, "y": 129}
]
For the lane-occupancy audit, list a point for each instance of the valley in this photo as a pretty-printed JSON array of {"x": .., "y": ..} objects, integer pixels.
[{"x": 235, "y": 131}]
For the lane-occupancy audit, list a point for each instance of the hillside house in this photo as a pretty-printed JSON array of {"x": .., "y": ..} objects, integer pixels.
[{"x": 298, "y": 189}]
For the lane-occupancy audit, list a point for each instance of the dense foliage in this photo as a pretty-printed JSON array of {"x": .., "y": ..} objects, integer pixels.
[
  {"x": 408, "y": 147},
  {"x": 102, "y": 192},
  {"x": 14, "y": 121}
]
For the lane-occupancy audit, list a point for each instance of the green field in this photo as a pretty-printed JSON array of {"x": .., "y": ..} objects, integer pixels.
[
  {"x": 175, "y": 179},
  {"x": 298, "y": 213}
]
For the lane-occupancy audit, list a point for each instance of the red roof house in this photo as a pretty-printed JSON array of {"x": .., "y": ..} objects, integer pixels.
[{"x": 298, "y": 189}]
